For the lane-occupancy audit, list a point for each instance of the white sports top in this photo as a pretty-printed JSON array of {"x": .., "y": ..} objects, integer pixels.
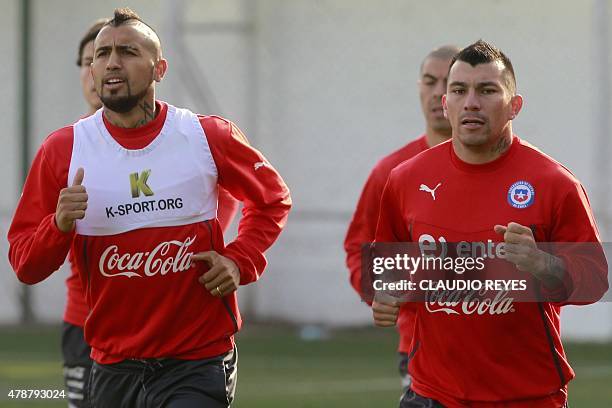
[{"x": 172, "y": 181}]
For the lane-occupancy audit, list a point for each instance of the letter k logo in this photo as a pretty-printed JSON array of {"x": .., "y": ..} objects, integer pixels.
[{"x": 139, "y": 183}]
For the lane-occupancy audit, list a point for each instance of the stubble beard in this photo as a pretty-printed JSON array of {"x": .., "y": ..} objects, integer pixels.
[
  {"x": 479, "y": 139},
  {"x": 123, "y": 103}
]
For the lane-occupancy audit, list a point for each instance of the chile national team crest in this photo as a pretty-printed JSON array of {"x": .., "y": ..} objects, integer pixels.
[{"x": 521, "y": 194}]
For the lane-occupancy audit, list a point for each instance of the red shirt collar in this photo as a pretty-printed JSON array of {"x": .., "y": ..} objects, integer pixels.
[
  {"x": 485, "y": 167},
  {"x": 139, "y": 137}
]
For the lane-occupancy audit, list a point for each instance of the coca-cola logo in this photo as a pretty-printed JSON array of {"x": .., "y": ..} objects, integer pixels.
[
  {"x": 154, "y": 262},
  {"x": 471, "y": 302}
]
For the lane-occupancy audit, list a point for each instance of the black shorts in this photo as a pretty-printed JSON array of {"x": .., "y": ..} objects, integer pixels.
[
  {"x": 77, "y": 365},
  {"x": 165, "y": 383},
  {"x": 411, "y": 399}
]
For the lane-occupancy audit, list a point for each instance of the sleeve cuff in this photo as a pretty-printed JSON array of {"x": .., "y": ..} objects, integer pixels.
[
  {"x": 248, "y": 272},
  {"x": 56, "y": 232}
]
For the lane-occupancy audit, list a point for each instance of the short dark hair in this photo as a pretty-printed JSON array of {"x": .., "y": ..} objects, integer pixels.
[
  {"x": 89, "y": 36},
  {"x": 482, "y": 52}
]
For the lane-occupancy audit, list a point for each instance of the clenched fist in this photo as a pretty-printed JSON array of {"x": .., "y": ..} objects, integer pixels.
[
  {"x": 385, "y": 312},
  {"x": 72, "y": 203},
  {"x": 522, "y": 250}
]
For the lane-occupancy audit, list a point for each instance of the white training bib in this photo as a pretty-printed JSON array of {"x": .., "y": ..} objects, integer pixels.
[{"x": 172, "y": 181}]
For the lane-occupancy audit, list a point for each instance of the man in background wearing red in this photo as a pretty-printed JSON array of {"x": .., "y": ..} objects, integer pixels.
[{"x": 432, "y": 85}]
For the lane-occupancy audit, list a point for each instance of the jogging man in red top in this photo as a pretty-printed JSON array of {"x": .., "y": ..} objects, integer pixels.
[
  {"x": 75, "y": 351},
  {"x": 432, "y": 85},
  {"x": 491, "y": 187},
  {"x": 132, "y": 192}
]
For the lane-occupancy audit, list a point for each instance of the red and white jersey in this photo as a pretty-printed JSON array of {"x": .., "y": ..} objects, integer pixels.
[
  {"x": 183, "y": 185},
  {"x": 363, "y": 225},
  {"x": 488, "y": 354},
  {"x": 76, "y": 309},
  {"x": 141, "y": 287}
]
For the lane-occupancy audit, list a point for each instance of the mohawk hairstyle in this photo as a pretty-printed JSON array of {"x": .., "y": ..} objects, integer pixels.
[
  {"x": 123, "y": 15},
  {"x": 481, "y": 52},
  {"x": 90, "y": 35},
  {"x": 126, "y": 15}
]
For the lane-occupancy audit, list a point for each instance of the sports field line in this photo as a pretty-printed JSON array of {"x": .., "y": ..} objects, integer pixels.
[
  {"x": 593, "y": 371},
  {"x": 254, "y": 388},
  {"x": 321, "y": 387}
]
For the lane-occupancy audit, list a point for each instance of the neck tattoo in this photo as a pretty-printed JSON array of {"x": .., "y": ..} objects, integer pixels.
[
  {"x": 501, "y": 146},
  {"x": 148, "y": 112}
]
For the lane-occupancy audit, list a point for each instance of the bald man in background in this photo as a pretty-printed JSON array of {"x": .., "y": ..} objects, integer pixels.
[{"x": 432, "y": 85}]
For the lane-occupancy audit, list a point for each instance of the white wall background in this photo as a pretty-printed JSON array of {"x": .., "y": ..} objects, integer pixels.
[{"x": 324, "y": 88}]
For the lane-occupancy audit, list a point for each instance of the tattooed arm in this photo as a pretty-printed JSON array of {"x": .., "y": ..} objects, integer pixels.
[{"x": 521, "y": 249}]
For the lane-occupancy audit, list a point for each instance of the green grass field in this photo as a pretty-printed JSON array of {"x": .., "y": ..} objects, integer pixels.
[{"x": 353, "y": 368}]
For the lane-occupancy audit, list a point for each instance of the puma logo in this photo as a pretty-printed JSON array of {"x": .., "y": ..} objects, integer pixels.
[{"x": 423, "y": 187}]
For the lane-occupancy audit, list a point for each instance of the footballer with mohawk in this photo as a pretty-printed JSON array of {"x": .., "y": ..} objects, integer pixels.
[{"x": 132, "y": 191}]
